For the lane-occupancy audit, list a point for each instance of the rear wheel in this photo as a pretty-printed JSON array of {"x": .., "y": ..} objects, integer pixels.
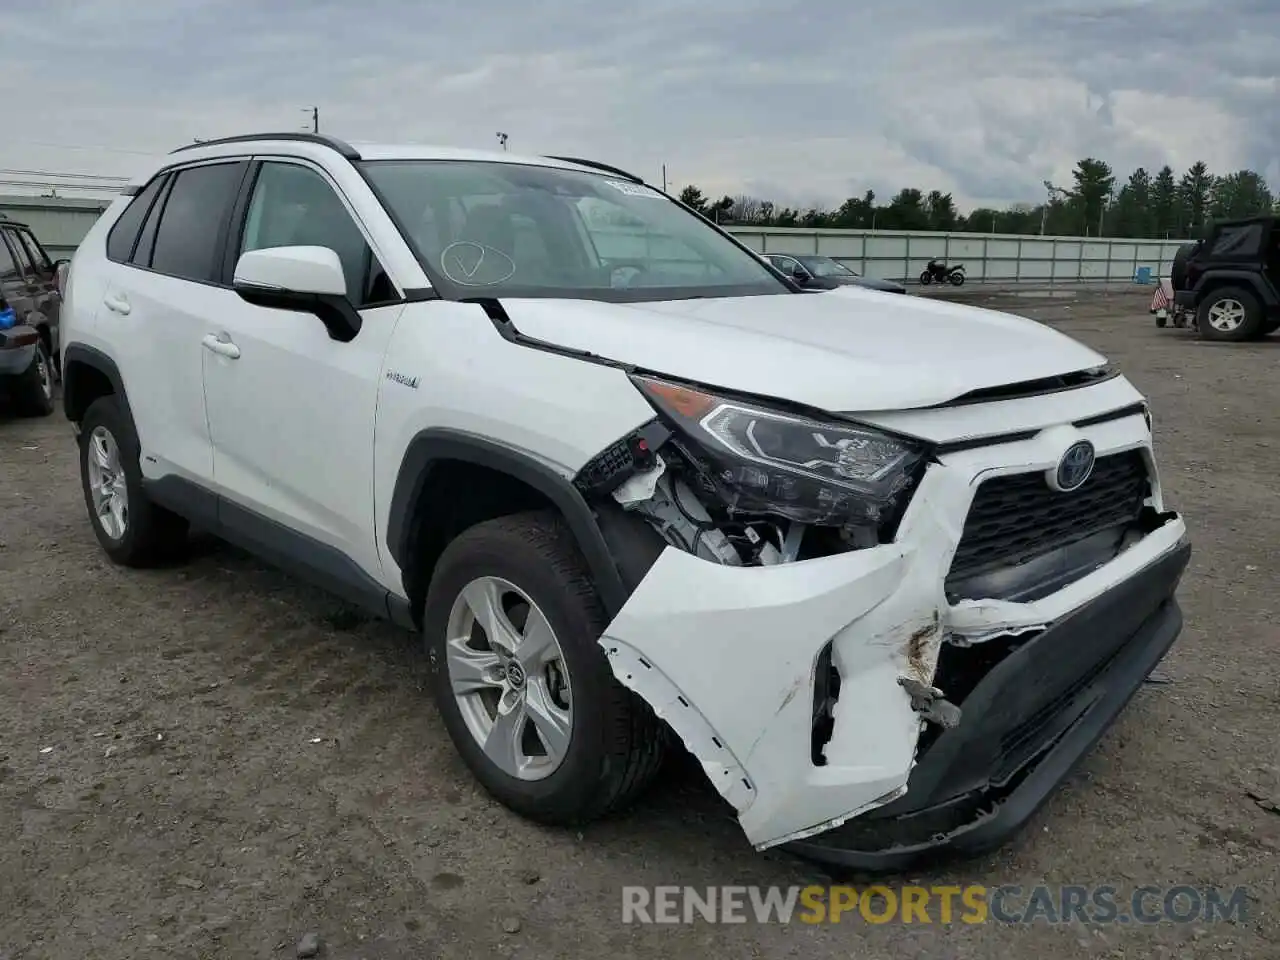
[
  {"x": 33, "y": 389},
  {"x": 1229, "y": 314},
  {"x": 511, "y": 626},
  {"x": 132, "y": 530},
  {"x": 956, "y": 278}
]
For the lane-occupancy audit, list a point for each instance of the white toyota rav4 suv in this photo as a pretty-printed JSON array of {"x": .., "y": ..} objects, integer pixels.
[{"x": 887, "y": 566}]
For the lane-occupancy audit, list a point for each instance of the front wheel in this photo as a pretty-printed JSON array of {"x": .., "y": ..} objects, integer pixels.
[
  {"x": 926, "y": 278},
  {"x": 511, "y": 627},
  {"x": 956, "y": 278}
]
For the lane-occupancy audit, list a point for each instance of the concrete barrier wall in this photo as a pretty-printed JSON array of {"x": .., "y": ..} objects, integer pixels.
[{"x": 62, "y": 222}]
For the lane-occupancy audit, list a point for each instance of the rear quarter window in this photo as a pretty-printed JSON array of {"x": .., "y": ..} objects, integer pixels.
[{"x": 124, "y": 232}]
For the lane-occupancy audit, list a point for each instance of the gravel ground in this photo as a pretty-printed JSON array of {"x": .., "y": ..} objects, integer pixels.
[{"x": 213, "y": 761}]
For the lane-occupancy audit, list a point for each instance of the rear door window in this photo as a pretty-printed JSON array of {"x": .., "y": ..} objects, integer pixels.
[{"x": 193, "y": 221}]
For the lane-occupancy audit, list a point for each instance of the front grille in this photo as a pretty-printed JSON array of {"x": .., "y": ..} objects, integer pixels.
[{"x": 1017, "y": 518}]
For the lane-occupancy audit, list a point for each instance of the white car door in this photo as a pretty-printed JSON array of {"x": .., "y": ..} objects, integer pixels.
[
  {"x": 160, "y": 290},
  {"x": 291, "y": 410}
]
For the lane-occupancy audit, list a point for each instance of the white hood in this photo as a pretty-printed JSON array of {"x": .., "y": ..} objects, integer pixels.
[{"x": 845, "y": 350}]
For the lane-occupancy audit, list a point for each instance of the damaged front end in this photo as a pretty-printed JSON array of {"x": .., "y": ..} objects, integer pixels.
[{"x": 808, "y": 595}]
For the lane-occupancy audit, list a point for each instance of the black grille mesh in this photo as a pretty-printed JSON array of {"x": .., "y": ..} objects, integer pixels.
[{"x": 1016, "y": 518}]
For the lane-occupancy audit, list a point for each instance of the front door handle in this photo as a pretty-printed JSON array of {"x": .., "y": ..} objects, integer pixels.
[
  {"x": 223, "y": 348},
  {"x": 116, "y": 303}
]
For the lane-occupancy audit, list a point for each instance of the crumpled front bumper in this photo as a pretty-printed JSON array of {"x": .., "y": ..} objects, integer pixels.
[
  {"x": 1026, "y": 726},
  {"x": 728, "y": 656}
]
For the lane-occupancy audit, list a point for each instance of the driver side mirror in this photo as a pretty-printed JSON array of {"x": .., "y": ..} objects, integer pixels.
[
  {"x": 302, "y": 279},
  {"x": 800, "y": 273}
]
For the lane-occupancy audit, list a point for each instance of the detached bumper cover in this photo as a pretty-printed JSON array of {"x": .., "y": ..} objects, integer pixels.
[{"x": 1025, "y": 727}]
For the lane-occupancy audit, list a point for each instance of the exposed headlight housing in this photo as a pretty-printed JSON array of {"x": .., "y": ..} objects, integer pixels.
[{"x": 762, "y": 461}]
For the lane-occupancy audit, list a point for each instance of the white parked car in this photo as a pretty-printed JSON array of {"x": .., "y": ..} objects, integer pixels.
[{"x": 887, "y": 566}]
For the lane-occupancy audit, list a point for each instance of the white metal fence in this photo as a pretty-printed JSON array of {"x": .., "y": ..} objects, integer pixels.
[{"x": 1005, "y": 258}]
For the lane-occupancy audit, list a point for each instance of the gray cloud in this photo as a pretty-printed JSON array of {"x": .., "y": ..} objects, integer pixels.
[{"x": 805, "y": 102}]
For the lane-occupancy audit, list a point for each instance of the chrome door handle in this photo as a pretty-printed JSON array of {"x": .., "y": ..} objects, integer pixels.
[
  {"x": 223, "y": 348},
  {"x": 117, "y": 304}
]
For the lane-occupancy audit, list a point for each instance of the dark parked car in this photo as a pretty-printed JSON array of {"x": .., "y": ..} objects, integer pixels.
[
  {"x": 1230, "y": 281},
  {"x": 30, "y": 302},
  {"x": 823, "y": 273}
]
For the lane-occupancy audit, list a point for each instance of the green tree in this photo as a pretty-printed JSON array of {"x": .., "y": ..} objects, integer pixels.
[
  {"x": 1094, "y": 184},
  {"x": 1166, "y": 211},
  {"x": 1193, "y": 195},
  {"x": 906, "y": 211},
  {"x": 1241, "y": 194},
  {"x": 1132, "y": 216},
  {"x": 941, "y": 211},
  {"x": 692, "y": 197},
  {"x": 855, "y": 212}
]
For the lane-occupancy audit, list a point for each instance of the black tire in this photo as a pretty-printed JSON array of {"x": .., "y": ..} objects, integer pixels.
[
  {"x": 1161, "y": 321},
  {"x": 616, "y": 743},
  {"x": 1249, "y": 328},
  {"x": 33, "y": 388},
  {"x": 957, "y": 278},
  {"x": 926, "y": 278},
  {"x": 152, "y": 534}
]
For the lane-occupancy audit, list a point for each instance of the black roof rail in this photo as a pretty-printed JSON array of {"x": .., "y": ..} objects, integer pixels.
[
  {"x": 333, "y": 143},
  {"x": 597, "y": 165}
]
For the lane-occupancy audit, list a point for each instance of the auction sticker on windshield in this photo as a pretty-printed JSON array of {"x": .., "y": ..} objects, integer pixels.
[{"x": 634, "y": 189}]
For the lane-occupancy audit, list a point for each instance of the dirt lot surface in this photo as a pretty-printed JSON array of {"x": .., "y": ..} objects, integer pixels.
[{"x": 213, "y": 761}]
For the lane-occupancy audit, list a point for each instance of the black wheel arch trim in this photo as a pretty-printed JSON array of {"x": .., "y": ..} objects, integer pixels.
[
  {"x": 1258, "y": 283},
  {"x": 435, "y": 444},
  {"x": 95, "y": 358}
]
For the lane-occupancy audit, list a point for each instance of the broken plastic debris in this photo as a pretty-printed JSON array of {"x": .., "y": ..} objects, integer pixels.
[
  {"x": 317, "y": 739},
  {"x": 46, "y": 749}
]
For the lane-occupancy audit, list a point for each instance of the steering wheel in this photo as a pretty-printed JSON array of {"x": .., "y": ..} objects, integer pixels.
[{"x": 624, "y": 263}]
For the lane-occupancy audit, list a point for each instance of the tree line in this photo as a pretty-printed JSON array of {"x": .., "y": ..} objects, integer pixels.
[{"x": 1145, "y": 206}]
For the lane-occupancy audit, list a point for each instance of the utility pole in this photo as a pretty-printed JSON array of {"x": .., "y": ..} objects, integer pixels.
[
  {"x": 502, "y": 139},
  {"x": 315, "y": 118}
]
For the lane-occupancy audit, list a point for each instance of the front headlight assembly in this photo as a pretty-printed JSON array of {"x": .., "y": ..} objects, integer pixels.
[{"x": 762, "y": 461}]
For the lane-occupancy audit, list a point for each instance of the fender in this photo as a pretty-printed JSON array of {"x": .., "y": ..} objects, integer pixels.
[
  {"x": 90, "y": 357},
  {"x": 1257, "y": 282},
  {"x": 435, "y": 444}
]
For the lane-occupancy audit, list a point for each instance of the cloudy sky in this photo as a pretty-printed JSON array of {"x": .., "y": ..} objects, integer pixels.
[{"x": 803, "y": 102}]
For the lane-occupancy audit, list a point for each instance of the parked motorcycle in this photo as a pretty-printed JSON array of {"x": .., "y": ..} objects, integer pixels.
[{"x": 939, "y": 271}]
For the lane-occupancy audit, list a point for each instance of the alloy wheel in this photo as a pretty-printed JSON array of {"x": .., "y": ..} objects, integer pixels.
[
  {"x": 107, "y": 484},
  {"x": 1226, "y": 315},
  {"x": 509, "y": 678}
]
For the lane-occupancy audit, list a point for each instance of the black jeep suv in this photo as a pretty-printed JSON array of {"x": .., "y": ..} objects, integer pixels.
[{"x": 1231, "y": 280}]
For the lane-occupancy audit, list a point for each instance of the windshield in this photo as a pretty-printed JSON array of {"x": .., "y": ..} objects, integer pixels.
[
  {"x": 483, "y": 229},
  {"x": 826, "y": 267}
]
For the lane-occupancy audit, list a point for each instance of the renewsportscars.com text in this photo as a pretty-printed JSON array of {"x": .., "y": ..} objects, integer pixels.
[{"x": 973, "y": 904}]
